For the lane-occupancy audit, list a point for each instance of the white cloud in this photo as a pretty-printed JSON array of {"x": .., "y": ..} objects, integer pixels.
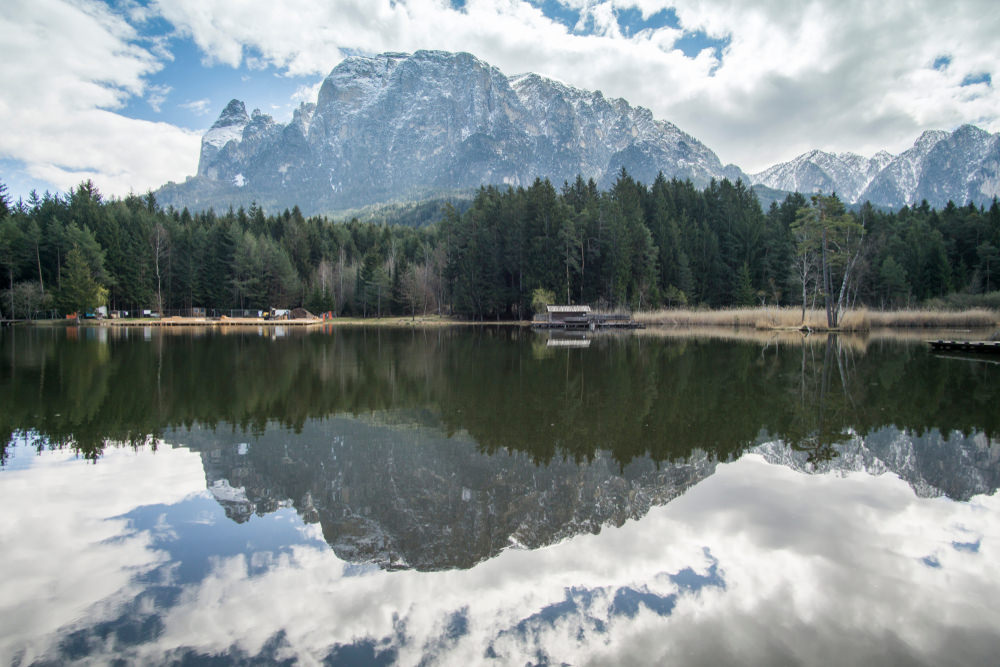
[
  {"x": 848, "y": 75},
  {"x": 806, "y": 560},
  {"x": 67, "y": 553},
  {"x": 307, "y": 93},
  {"x": 76, "y": 65},
  {"x": 198, "y": 107},
  {"x": 156, "y": 96}
]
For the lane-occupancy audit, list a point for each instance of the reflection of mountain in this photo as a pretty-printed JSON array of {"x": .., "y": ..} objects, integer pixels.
[
  {"x": 933, "y": 464},
  {"x": 411, "y": 497},
  {"x": 414, "y": 498}
]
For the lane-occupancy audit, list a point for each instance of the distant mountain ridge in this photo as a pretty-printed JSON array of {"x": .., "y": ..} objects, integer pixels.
[
  {"x": 961, "y": 166},
  {"x": 408, "y": 127}
]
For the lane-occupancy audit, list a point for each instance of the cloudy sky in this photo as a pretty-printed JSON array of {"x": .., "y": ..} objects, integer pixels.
[{"x": 120, "y": 91}]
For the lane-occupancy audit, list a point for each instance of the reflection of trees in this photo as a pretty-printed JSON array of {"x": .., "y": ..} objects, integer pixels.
[
  {"x": 632, "y": 396},
  {"x": 823, "y": 415}
]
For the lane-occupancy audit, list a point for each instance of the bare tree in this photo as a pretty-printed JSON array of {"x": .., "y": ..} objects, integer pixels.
[{"x": 159, "y": 241}]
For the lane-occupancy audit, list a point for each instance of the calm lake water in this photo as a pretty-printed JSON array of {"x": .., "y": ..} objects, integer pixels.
[{"x": 468, "y": 496}]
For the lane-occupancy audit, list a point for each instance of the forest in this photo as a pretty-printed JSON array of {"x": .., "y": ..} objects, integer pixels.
[{"x": 634, "y": 247}]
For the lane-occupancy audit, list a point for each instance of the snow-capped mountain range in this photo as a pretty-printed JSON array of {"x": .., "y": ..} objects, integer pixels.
[
  {"x": 398, "y": 127},
  {"x": 961, "y": 166}
]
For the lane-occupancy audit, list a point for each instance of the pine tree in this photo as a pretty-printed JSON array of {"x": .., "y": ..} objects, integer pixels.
[{"x": 80, "y": 292}]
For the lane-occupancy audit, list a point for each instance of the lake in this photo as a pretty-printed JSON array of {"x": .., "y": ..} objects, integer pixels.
[{"x": 471, "y": 495}]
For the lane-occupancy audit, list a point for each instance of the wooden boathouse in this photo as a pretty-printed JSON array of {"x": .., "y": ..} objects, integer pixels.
[
  {"x": 581, "y": 317},
  {"x": 568, "y": 316}
]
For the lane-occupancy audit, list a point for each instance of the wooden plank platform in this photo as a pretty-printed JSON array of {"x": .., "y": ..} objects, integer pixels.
[{"x": 966, "y": 345}]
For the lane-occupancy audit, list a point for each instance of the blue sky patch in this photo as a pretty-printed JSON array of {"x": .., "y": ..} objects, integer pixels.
[
  {"x": 190, "y": 93},
  {"x": 971, "y": 547},
  {"x": 558, "y": 12},
  {"x": 628, "y": 600},
  {"x": 14, "y": 174},
  {"x": 941, "y": 63},
  {"x": 693, "y": 43},
  {"x": 630, "y": 20},
  {"x": 931, "y": 561},
  {"x": 973, "y": 79},
  {"x": 197, "y": 531}
]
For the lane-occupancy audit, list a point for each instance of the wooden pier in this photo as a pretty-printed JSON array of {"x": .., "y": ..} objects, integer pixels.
[{"x": 987, "y": 346}]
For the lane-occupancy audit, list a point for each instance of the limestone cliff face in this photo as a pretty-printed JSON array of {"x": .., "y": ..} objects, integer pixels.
[{"x": 401, "y": 127}]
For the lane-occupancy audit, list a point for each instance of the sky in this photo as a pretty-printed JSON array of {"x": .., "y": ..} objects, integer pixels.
[{"x": 120, "y": 91}]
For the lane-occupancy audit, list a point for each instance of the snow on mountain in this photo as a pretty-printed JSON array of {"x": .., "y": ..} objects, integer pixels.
[
  {"x": 959, "y": 166},
  {"x": 403, "y": 126},
  {"x": 896, "y": 185},
  {"x": 229, "y": 127},
  {"x": 963, "y": 166},
  {"x": 847, "y": 174},
  {"x": 400, "y": 126}
]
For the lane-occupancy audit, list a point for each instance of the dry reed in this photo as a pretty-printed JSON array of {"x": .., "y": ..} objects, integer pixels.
[{"x": 773, "y": 317}]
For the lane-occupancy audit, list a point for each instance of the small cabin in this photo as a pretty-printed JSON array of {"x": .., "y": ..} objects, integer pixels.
[{"x": 568, "y": 315}]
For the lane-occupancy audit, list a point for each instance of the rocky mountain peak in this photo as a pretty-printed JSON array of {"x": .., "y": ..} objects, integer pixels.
[
  {"x": 405, "y": 126},
  {"x": 399, "y": 126},
  {"x": 228, "y": 128},
  {"x": 235, "y": 113},
  {"x": 928, "y": 138}
]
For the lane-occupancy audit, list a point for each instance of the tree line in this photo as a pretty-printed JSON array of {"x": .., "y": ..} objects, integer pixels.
[{"x": 633, "y": 246}]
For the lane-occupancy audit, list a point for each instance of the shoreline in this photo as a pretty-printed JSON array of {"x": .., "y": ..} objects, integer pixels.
[{"x": 764, "y": 319}]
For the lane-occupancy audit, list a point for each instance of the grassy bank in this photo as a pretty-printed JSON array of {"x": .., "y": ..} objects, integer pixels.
[{"x": 791, "y": 318}]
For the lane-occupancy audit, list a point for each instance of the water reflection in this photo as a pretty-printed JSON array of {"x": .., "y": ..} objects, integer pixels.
[
  {"x": 788, "y": 564},
  {"x": 456, "y": 497},
  {"x": 414, "y": 498},
  {"x": 630, "y": 396}
]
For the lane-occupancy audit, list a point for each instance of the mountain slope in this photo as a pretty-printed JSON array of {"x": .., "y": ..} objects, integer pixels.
[
  {"x": 399, "y": 126},
  {"x": 407, "y": 127},
  {"x": 960, "y": 166}
]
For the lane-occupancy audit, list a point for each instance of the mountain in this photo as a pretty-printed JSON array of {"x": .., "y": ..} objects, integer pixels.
[
  {"x": 429, "y": 125},
  {"x": 405, "y": 127},
  {"x": 847, "y": 174},
  {"x": 961, "y": 166}
]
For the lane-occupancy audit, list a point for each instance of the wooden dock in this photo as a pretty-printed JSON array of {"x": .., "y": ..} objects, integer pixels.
[
  {"x": 588, "y": 322},
  {"x": 988, "y": 346},
  {"x": 592, "y": 325}
]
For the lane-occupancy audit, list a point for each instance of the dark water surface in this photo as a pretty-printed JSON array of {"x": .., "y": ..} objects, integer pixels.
[{"x": 469, "y": 496}]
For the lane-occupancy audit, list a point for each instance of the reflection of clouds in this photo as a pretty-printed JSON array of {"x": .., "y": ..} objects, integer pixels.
[
  {"x": 63, "y": 550},
  {"x": 812, "y": 569},
  {"x": 756, "y": 564},
  {"x": 163, "y": 531}
]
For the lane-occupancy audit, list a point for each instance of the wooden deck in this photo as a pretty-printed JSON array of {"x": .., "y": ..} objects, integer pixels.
[
  {"x": 590, "y": 322},
  {"x": 966, "y": 345}
]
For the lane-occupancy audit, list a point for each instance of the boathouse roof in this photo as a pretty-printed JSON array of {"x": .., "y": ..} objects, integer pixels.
[{"x": 568, "y": 309}]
